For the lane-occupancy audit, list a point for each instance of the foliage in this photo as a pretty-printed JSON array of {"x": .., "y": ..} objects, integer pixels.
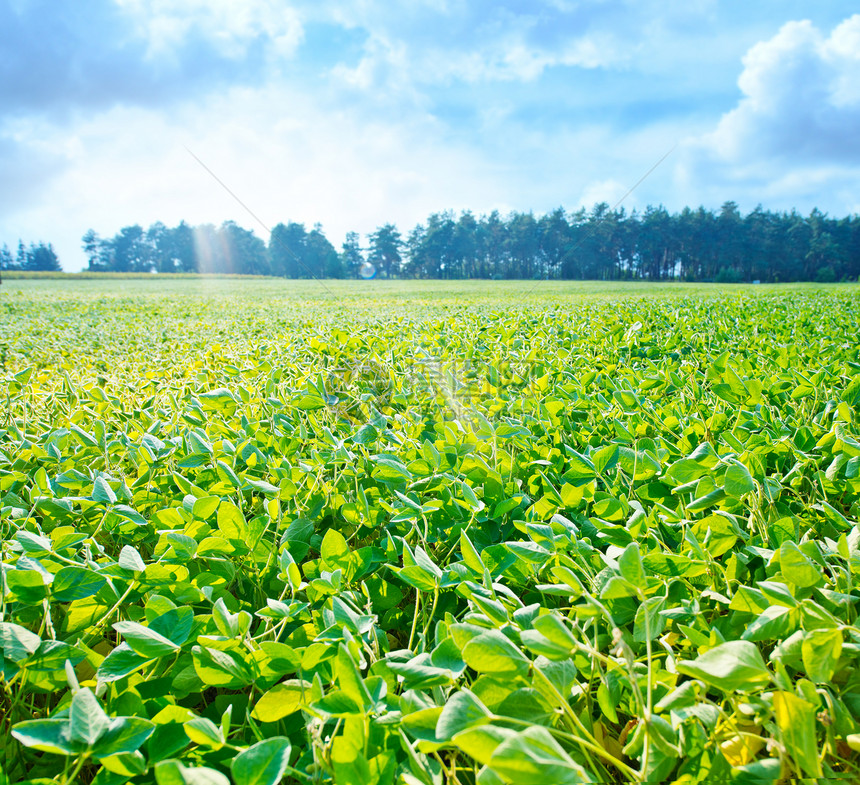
[
  {"x": 386, "y": 534},
  {"x": 36, "y": 258},
  {"x": 601, "y": 244}
]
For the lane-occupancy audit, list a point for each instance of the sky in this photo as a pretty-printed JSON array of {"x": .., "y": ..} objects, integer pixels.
[{"x": 355, "y": 114}]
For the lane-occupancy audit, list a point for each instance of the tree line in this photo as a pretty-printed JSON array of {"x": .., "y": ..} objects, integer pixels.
[
  {"x": 35, "y": 257},
  {"x": 601, "y": 243}
]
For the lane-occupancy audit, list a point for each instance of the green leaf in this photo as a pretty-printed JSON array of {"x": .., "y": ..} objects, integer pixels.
[
  {"x": 774, "y": 623},
  {"x": 87, "y": 719},
  {"x": 121, "y": 662},
  {"x": 174, "y": 624},
  {"x": 739, "y": 481},
  {"x": 144, "y": 641},
  {"x": 461, "y": 711},
  {"x": 203, "y": 731},
  {"x": 18, "y": 643},
  {"x": 630, "y": 565},
  {"x": 350, "y": 679},
  {"x": 219, "y": 397},
  {"x": 493, "y": 652},
  {"x": 821, "y": 650},
  {"x": 334, "y": 550},
  {"x": 52, "y": 656},
  {"x": 206, "y": 506},
  {"x": 125, "y": 735},
  {"x": 121, "y": 766},
  {"x": 390, "y": 470},
  {"x": 479, "y": 743},
  {"x": 263, "y": 764},
  {"x": 797, "y": 567},
  {"x": 221, "y": 668},
  {"x": 471, "y": 557},
  {"x": 75, "y": 583},
  {"x": 231, "y": 522},
  {"x": 534, "y": 757},
  {"x": 130, "y": 559},
  {"x": 795, "y": 718},
  {"x": 579, "y": 467},
  {"x": 173, "y": 772},
  {"x": 731, "y": 666},
  {"x": 47, "y": 736},
  {"x": 648, "y": 624},
  {"x": 367, "y": 434},
  {"x": 102, "y": 492}
]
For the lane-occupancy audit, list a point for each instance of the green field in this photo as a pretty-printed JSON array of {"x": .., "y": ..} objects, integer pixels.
[{"x": 258, "y": 530}]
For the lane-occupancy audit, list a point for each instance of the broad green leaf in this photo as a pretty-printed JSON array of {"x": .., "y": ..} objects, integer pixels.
[
  {"x": 121, "y": 662},
  {"x": 173, "y": 772},
  {"x": 75, "y": 583},
  {"x": 579, "y": 466},
  {"x": 282, "y": 700},
  {"x": 471, "y": 557},
  {"x": 87, "y": 719},
  {"x": 461, "y": 711},
  {"x": 739, "y": 481},
  {"x": 231, "y": 522},
  {"x": 102, "y": 492},
  {"x": 47, "y": 736},
  {"x": 174, "y": 624},
  {"x": 774, "y": 623},
  {"x": 262, "y": 764},
  {"x": 821, "y": 650},
  {"x": 534, "y": 757},
  {"x": 630, "y": 565},
  {"x": 144, "y": 641},
  {"x": 203, "y": 731},
  {"x": 795, "y": 718},
  {"x": 731, "y": 666},
  {"x": 53, "y": 655},
  {"x": 334, "y": 550},
  {"x": 17, "y": 641},
  {"x": 493, "y": 652},
  {"x": 206, "y": 506},
  {"x": 797, "y": 567},
  {"x": 130, "y": 559},
  {"x": 479, "y": 743},
  {"x": 125, "y": 735},
  {"x": 221, "y": 668}
]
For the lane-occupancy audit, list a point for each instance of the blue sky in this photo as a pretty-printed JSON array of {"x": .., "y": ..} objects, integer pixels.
[{"x": 357, "y": 113}]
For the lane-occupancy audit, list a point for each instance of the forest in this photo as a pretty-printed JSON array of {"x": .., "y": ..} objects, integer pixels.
[{"x": 601, "y": 244}]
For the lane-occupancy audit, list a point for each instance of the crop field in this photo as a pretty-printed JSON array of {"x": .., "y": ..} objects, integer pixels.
[{"x": 427, "y": 533}]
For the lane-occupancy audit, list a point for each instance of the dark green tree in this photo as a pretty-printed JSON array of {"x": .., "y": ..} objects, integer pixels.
[
  {"x": 287, "y": 246},
  {"x": 243, "y": 252},
  {"x": 7, "y": 261},
  {"x": 321, "y": 256},
  {"x": 385, "y": 247},
  {"x": 351, "y": 257},
  {"x": 129, "y": 251},
  {"x": 42, "y": 258}
]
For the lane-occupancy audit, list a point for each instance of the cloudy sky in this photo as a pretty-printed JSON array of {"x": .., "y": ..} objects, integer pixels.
[{"x": 361, "y": 112}]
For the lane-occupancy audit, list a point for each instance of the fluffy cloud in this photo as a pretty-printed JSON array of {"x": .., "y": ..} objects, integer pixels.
[
  {"x": 356, "y": 113},
  {"x": 61, "y": 58},
  {"x": 127, "y": 165},
  {"x": 794, "y": 132},
  {"x": 231, "y": 27}
]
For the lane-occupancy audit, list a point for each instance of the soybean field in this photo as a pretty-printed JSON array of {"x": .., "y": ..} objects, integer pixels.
[{"x": 428, "y": 533}]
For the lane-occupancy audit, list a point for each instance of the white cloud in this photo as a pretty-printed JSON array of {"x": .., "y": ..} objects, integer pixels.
[
  {"x": 794, "y": 132},
  {"x": 297, "y": 160},
  {"x": 231, "y": 26},
  {"x": 609, "y": 191},
  {"x": 388, "y": 114}
]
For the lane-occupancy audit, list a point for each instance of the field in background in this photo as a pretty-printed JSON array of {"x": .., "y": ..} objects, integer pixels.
[{"x": 436, "y": 532}]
